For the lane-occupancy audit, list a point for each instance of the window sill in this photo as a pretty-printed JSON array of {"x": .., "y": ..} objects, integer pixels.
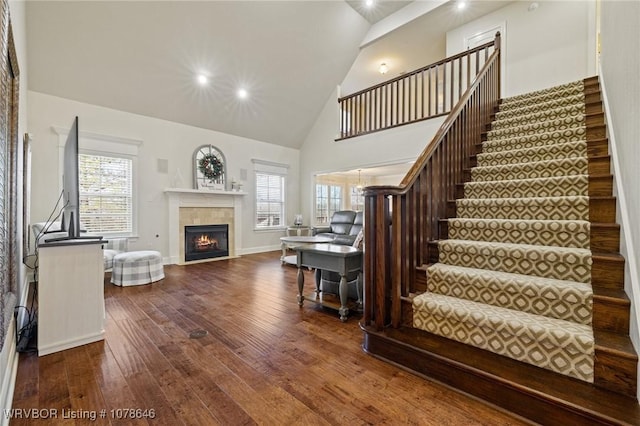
[{"x": 265, "y": 230}]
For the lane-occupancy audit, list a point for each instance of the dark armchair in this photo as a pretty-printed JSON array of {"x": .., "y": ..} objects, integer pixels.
[{"x": 343, "y": 228}]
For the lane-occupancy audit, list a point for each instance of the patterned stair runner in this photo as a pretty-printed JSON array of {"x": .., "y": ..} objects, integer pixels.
[{"x": 514, "y": 276}]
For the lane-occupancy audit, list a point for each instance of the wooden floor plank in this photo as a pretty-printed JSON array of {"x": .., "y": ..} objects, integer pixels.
[{"x": 263, "y": 360}]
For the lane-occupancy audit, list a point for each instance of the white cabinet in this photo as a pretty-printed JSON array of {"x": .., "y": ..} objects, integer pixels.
[{"x": 70, "y": 295}]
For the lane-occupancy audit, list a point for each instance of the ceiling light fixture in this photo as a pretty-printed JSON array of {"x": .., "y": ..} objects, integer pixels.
[
  {"x": 462, "y": 5},
  {"x": 383, "y": 68},
  {"x": 369, "y": 3},
  {"x": 243, "y": 94},
  {"x": 533, "y": 6},
  {"x": 203, "y": 79},
  {"x": 359, "y": 186}
]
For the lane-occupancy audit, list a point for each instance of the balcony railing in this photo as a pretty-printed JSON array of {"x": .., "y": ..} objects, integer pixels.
[
  {"x": 428, "y": 92},
  {"x": 401, "y": 221}
]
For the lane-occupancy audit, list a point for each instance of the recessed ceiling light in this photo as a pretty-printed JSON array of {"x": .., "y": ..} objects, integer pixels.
[
  {"x": 462, "y": 5},
  {"x": 203, "y": 79},
  {"x": 368, "y": 3},
  {"x": 243, "y": 94}
]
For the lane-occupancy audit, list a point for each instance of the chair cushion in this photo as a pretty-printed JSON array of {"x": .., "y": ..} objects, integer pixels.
[
  {"x": 342, "y": 221},
  {"x": 357, "y": 224}
]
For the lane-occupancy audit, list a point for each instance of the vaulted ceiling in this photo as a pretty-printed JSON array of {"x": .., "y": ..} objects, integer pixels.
[{"x": 143, "y": 57}]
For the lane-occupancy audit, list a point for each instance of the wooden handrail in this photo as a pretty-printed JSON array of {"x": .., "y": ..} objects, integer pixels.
[
  {"x": 401, "y": 221},
  {"x": 428, "y": 92}
]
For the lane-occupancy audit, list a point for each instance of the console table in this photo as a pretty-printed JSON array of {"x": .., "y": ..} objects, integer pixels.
[{"x": 331, "y": 257}]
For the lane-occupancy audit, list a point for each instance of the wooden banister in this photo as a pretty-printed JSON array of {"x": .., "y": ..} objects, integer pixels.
[
  {"x": 428, "y": 92},
  {"x": 400, "y": 221}
]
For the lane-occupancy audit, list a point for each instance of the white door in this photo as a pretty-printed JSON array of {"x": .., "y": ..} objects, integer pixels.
[{"x": 485, "y": 36}]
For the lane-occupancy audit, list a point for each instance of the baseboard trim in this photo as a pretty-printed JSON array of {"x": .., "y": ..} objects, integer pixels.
[
  {"x": 263, "y": 249},
  {"x": 68, "y": 344},
  {"x": 9, "y": 360}
]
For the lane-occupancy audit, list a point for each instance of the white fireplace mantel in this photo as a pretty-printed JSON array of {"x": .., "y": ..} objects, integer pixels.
[{"x": 178, "y": 197}]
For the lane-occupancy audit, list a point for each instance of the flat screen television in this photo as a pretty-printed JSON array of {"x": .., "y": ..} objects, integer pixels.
[{"x": 70, "y": 220}]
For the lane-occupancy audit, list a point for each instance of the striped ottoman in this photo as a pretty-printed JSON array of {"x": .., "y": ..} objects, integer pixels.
[{"x": 137, "y": 267}]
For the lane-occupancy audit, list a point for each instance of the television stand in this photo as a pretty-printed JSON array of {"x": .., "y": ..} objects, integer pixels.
[{"x": 70, "y": 294}]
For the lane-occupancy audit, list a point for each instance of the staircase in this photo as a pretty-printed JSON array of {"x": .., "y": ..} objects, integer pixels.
[
  {"x": 523, "y": 303},
  {"x": 514, "y": 276}
]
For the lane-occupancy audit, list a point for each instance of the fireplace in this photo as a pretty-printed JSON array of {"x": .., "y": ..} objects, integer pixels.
[{"x": 206, "y": 242}]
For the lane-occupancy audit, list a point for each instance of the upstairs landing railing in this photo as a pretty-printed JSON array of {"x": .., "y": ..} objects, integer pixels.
[
  {"x": 428, "y": 92},
  {"x": 401, "y": 221}
]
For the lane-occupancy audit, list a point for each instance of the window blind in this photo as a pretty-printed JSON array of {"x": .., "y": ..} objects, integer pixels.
[
  {"x": 106, "y": 196},
  {"x": 269, "y": 200}
]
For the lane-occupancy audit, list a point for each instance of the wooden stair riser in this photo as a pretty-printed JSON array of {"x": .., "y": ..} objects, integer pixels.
[
  {"x": 603, "y": 237},
  {"x": 600, "y": 186},
  {"x": 615, "y": 372},
  {"x": 592, "y": 97},
  {"x": 591, "y": 85},
  {"x": 600, "y": 165},
  {"x": 597, "y": 132},
  {"x": 611, "y": 314},
  {"x": 607, "y": 271},
  {"x": 601, "y": 209}
]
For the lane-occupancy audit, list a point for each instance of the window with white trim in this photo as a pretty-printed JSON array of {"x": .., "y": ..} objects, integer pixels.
[
  {"x": 106, "y": 193},
  {"x": 270, "y": 194},
  {"x": 357, "y": 198},
  {"x": 328, "y": 201}
]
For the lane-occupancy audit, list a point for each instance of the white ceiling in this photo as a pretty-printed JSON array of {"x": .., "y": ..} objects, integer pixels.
[{"x": 143, "y": 57}]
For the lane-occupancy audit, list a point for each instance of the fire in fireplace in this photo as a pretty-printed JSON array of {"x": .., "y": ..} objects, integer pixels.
[{"x": 206, "y": 242}]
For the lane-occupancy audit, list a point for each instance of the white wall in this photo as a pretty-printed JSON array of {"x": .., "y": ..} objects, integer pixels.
[
  {"x": 551, "y": 45},
  {"x": 620, "y": 62},
  {"x": 161, "y": 140}
]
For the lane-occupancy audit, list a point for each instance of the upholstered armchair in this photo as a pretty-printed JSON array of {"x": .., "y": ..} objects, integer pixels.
[{"x": 343, "y": 227}]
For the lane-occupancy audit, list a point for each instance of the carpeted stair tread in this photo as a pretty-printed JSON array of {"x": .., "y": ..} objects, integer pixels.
[
  {"x": 543, "y": 95},
  {"x": 558, "y": 233},
  {"x": 561, "y": 186},
  {"x": 575, "y": 134},
  {"x": 533, "y": 155},
  {"x": 537, "y": 169},
  {"x": 539, "y": 116},
  {"x": 565, "y": 300},
  {"x": 548, "y": 208},
  {"x": 550, "y": 104},
  {"x": 562, "y": 263},
  {"x": 561, "y": 346},
  {"x": 533, "y": 128}
]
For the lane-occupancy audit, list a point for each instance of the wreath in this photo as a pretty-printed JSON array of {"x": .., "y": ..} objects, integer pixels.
[{"x": 211, "y": 167}]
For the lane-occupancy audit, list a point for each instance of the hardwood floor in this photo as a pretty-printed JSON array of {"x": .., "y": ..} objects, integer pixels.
[{"x": 263, "y": 361}]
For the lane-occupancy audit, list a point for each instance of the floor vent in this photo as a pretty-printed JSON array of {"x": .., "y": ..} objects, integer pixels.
[{"x": 198, "y": 334}]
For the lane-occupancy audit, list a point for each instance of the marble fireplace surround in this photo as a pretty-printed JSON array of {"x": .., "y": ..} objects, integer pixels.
[{"x": 202, "y": 207}]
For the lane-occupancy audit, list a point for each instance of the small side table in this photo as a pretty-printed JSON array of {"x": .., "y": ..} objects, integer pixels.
[
  {"x": 292, "y": 242},
  {"x": 332, "y": 257},
  {"x": 299, "y": 231}
]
